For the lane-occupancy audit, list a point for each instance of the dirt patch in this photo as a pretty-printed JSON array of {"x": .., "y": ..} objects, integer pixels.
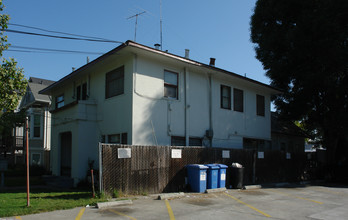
[
  {"x": 114, "y": 211},
  {"x": 199, "y": 202},
  {"x": 253, "y": 192}
]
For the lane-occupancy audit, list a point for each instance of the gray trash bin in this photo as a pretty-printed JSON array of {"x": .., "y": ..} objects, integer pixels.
[{"x": 237, "y": 175}]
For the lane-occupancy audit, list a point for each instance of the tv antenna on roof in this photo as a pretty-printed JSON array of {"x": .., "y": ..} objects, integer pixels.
[{"x": 136, "y": 23}]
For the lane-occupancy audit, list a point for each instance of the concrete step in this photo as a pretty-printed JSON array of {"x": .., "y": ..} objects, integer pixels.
[{"x": 58, "y": 181}]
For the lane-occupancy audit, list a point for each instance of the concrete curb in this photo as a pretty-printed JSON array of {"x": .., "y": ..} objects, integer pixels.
[
  {"x": 253, "y": 187},
  {"x": 103, "y": 205},
  {"x": 216, "y": 190},
  {"x": 170, "y": 195}
]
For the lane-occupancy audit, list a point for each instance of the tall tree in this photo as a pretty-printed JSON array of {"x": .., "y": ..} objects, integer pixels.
[
  {"x": 303, "y": 46},
  {"x": 12, "y": 81}
]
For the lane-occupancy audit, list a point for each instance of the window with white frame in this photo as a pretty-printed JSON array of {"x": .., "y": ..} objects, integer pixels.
[
  {"x": 170, "y": 84},
  {"x": 238, "y": 100},
  {"x": 118, "y": 138},
  {"x": 114, "y": 83},
  {"x": 260, "y": 105},
  {"x": 37, "y": 125},
  {"x": 225, "y": 97},
  {"x": 36, "y": 159},
  {"x": 59, "y": 101}
]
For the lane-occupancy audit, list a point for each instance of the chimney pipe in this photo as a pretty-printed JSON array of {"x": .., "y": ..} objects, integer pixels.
[
  {"x": 212, "y": 61},
  {"x": 187, "y": 53},
  {"x": 87, "y": 59},
  {"x": 157, "y": 46},
  {"x": 73, "y": 69}
]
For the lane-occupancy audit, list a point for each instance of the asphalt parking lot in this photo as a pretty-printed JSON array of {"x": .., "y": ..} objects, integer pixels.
[{"x": 300, "y": 202}]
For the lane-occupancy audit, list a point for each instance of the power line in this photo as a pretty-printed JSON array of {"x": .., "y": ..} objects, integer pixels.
[
  {"x": 28, "y": 49},
  {"x": 58, "y": 32},
  {"x": 60, "y": 37}
]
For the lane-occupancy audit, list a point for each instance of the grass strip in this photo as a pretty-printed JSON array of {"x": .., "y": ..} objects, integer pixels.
[{"x": 15, "y": 203}]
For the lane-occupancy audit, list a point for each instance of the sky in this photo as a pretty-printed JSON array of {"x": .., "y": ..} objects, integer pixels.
[{"x": 219, "y": 29}]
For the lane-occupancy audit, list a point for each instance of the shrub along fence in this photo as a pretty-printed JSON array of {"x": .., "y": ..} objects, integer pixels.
[{"x": 156, "y": 169}]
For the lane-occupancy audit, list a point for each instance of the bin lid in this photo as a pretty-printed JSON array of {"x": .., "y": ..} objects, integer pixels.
[
  {"x": 197, "y": 166},
  {"x": 222, "y": 166},
  {"x": 212, "y": 166}
]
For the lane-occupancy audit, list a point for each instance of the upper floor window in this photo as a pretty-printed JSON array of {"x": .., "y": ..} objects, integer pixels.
[
  {"x": 238, "y": 100},
  {"x": 225, "y": 97},
  {"x": 260, "y": 105},
  {"x": 81, "y": 92},
  {"x": 84, "y": 91},
  {"x": 114, "y": 82},
  {"x": 37, "y": 125},
  {"x": 59, "y": 101},
  {"x": 170, "y": 84}
]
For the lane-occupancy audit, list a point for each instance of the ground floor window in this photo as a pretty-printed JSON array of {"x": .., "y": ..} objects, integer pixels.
[
  {"x": 36, "y": 159},
  {"x": 181, "y": 141},
  {"x": 256, "y": 144},
  {"x": 117, "y": 138}
]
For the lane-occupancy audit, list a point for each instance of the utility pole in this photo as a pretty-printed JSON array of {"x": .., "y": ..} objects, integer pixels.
[
  {"x": 161, "y": 23},
  {"x": 27, "y": 156},
  {"x": 136, "y": 23}
]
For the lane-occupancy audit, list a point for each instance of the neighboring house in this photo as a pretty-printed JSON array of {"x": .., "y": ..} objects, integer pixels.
[
  {"x": 286, "y": 136},
  {"x": 140, "y": 95},
  {"x": 37, "y": 108}
]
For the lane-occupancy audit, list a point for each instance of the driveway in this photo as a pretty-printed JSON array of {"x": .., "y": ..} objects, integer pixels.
[{"x": 302, "y": 202}]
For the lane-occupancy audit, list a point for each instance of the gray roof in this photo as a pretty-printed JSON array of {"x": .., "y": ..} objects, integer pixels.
[
  {"x": 282, "y": 126},
  {"x": 41, "y": 81},
  {"x": 32, "y": 95}
]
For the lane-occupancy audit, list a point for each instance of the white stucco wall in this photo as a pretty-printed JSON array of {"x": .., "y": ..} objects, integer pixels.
[
  {"x": 90, "y": 119},
  {"x": 151, "y": 111},
  {"x": 146, "y": 116}
]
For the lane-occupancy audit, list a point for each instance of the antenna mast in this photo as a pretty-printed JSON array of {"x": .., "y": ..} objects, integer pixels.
[
  {"x": 161, "y": 23},
  {"x": 136, "y": 23}
]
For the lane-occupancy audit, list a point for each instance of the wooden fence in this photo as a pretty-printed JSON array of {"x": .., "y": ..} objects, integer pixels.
[{"x": 152, "y": 169}]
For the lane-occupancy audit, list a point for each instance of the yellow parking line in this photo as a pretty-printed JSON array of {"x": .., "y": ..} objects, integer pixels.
[
  {"x": 328, "y": 191},
  {"x": 78, "y": 217},
  {"x": 170, "y": 211},
  {"x": 298, "y": 197},
  {"x": 18, "y": 217},
  {"x": 253, "y": 208},
  {"x": 120, "y": 213}
]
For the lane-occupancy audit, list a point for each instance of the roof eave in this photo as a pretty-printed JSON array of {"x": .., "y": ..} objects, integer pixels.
[
  {"x": 199, "y": 64},
  {"x": 48, "y": 89}
]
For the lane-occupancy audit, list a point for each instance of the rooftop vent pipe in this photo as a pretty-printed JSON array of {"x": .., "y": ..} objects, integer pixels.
[
  {"x": 212, "y": 61},
  {"x": 187, "y": 53},
  {"x": 157, "y": 46}
]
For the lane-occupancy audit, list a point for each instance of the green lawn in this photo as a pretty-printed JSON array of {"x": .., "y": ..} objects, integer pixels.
[{"x": 15, "y": 203}]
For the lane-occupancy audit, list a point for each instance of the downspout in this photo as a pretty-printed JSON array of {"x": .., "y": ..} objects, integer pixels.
[
  {"x": 210, "y": 132},
  {"x": 46, "y": 126},
  {"x": 187, "y": 106}
]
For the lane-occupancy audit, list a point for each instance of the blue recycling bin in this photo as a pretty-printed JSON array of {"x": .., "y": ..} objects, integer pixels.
[
  {"x": 197, "y": 177},
  {"x": 222, "y": 175},
  {"x": 213, "y": 173}
]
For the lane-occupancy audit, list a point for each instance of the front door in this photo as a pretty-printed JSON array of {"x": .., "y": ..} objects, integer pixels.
[{"x": 65, "y": 154}]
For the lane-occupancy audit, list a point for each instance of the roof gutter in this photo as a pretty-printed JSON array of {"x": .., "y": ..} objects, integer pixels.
[
  {"x": 195, "y": 63},
  {"x": 48, "y": 89}
]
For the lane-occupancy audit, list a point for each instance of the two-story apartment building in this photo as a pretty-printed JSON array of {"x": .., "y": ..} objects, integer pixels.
[{"x": 140, "y": 95}]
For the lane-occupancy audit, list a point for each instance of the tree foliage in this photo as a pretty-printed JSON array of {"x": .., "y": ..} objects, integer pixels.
[
  {"x": 303, "y": 46},
  {"x": 12, "y": 81}
]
